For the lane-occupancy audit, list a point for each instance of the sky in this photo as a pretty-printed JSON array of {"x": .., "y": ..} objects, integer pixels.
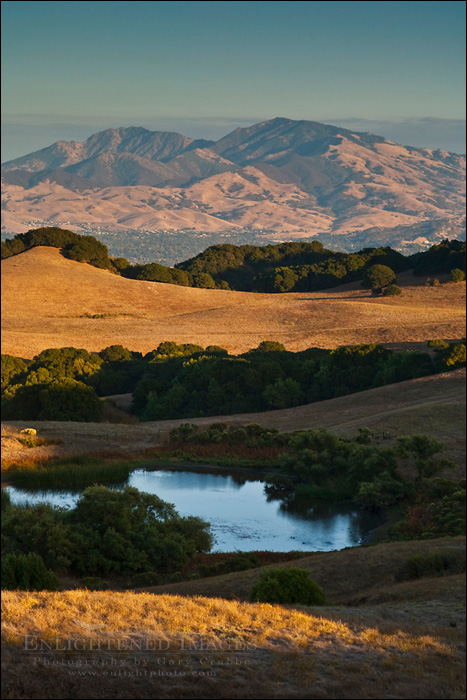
[{"x": 70, "y": 69}]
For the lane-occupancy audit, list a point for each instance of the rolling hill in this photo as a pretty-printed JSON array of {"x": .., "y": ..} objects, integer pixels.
[
  {"x": 283, "y": 177},
  {"x": 49, "y": 301},
  {"x": 376, "y": 637}
]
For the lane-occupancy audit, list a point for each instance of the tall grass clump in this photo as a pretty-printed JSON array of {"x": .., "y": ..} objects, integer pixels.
[{"x": 72, "y": 472}]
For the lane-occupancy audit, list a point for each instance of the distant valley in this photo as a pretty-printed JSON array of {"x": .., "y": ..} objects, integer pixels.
[{"x": 141, "y": 191}]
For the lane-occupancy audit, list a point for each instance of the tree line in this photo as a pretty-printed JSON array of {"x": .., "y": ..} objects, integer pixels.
[
  {"x": 285, "y": 267},
  {"x": 187, "y": 380}
]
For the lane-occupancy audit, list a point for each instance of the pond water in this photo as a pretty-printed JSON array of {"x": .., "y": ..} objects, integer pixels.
[{"x": 241, "y": 517}]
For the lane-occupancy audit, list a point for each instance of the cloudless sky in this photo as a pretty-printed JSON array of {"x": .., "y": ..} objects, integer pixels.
[{"x": 214, "y": 65}]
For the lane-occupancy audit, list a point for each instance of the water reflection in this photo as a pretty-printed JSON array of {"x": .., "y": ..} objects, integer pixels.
[{"x": 240, "y": 514}]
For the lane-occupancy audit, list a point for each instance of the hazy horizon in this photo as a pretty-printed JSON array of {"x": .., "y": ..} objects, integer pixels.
[{"x": 70, "y": 69}]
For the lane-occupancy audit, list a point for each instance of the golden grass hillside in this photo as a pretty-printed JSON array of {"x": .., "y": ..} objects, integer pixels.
[
  {"x": 434, "y": 405},
  {"x": 108, "y": 644},
  {"x": 47, "y": 301}
]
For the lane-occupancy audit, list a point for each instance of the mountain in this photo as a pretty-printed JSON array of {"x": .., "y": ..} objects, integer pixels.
[{"x": 283, "y": 177}]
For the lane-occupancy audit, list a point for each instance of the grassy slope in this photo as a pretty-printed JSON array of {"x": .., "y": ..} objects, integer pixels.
[
  {"x": 349, "y": 577},
  {"x": 406, "y": 647},
  {"x": 44, "y": 298}
]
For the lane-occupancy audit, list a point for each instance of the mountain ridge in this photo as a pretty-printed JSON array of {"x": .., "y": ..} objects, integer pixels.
[{"x": 299, "y": 178}]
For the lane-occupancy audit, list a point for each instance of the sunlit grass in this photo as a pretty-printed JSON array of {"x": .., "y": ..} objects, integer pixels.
[
  {"x": 281, "y": 652},
  {"x": 50, "y": 613}
]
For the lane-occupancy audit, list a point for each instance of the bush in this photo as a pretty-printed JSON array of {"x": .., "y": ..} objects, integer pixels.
[
  {"x": 438, "y": 563},
  {"x": 270, "y": 346},
  {"x": 130, "y": 531},
  {"x": 27, "y": 572},
  {"x": 457, "y": 275},
  {"x": 145, "y": 578},
  {"x": 392, "y": 291},
  {"x": 287, "y": 586},
  {"x": 438, "y": 343},
  {"x": 240, "y": 562},
  {"x": 94, "y": 583}
]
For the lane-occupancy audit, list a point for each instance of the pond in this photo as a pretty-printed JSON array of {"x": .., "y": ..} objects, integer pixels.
[{"x": 240, "y": 514}]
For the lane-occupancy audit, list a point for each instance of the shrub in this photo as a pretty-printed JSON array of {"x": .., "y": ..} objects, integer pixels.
[
  {"x": 240, "y": 562},
  {"x": 437, "y": 563},
  {"x": 146, "y": 578},
  {"x": 94, "y": 583},
  {"x": 457, "y": 275},
  {"x": 382, "y": 492},
  {"x": 27, "y": 572},
  {"x": 456, "y": 357},
  {"x": 130, "y": 531},
  {"x": 392, "y": 291},
  {"x": 28, "y": 431},
  {"x": 5, "y": 500},
  {"x": 287, "y": 586},
  {"x": 438, "y": 343},
  {"x": 107, "y": 532}
]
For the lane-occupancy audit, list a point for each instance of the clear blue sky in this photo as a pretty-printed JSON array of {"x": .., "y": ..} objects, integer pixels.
[{"x": 71, "y": 68}]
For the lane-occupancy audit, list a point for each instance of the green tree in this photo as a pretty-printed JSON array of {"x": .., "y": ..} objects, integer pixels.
[
  {"x": 27, "y": 572},
  {"x": 382, "y": 492},
  {"x": 379, "y": 276},
  {"x": 65, "y": 399},
  {"x": 120, "y": 264},
  {"x": 283, "y": 393},
  {"x": 116, "y": 353},
  {"x": 270, "y": 346},
  {"x": 89, "y": 250},
  {"x": 12, "y": 367}
]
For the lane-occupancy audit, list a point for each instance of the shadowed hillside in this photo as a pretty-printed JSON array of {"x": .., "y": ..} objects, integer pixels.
[{"x": 435, "y": 404}]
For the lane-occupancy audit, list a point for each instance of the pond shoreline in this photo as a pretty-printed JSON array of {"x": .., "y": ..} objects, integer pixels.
[{"x": 235, "y": 503}]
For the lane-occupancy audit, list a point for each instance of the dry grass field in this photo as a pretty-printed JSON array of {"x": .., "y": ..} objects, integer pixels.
[
  {"x": 393, "y": 641},
  {"x": 47, "y": 301},
  {"x": 433, "y": 405}
]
